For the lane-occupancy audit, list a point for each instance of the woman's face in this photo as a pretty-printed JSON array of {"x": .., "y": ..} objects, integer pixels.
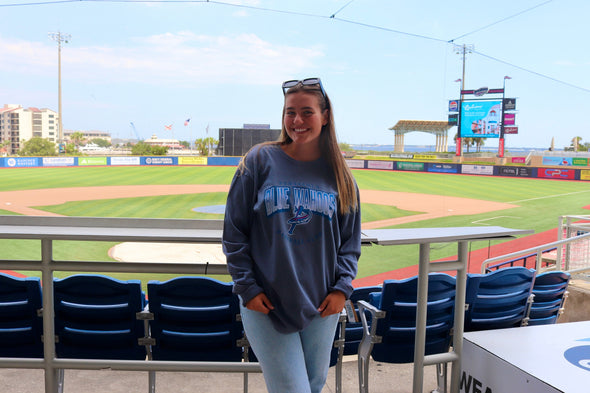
[{"x": 304, "y": 118}]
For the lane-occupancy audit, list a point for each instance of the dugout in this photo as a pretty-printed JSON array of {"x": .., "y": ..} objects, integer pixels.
[{"x": 237, "y": 141}]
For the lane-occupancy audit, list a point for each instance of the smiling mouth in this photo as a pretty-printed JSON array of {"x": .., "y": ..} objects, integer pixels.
[{"x": 299, "y": 130}]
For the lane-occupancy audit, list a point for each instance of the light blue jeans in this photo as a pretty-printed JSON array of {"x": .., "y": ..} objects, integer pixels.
[{"x": 294, "y": 362}]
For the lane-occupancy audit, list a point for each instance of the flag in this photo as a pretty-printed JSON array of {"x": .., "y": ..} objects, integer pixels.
[
  {"x": 168, "y": 128},
  {"x": 507, "y": 77},
  {"x": 187, "y": 121},
  {"x": 457, "y": 80},
  {"x": 207, "y": 129}
]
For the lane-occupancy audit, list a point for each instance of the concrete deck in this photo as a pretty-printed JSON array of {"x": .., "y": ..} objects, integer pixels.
[{"x": 390, "y": 378}]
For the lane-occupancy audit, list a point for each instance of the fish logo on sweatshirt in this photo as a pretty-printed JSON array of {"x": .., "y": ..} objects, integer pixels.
[{"x": 301, "y": 216}]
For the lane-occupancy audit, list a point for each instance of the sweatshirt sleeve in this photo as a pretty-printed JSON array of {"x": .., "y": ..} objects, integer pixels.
[
  {"x": 349, "y": 251},
  {"x": 236, "y": 235}
]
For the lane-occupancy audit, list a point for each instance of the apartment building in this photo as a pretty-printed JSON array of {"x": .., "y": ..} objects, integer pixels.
[
  {"x": 89, "y": 135},
  {"x": 18, "y": 124}
]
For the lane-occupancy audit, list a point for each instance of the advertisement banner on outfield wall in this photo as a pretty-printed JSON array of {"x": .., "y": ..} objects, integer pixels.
[
  {"x": 159, "y": 160},
  {"x": 223, "y": 161},
  {"x": 518, "y": 160},
  {"x": 410, "y": 166},
  {"x": 22, "y": 162},
  {"x": 477, "y": 169},
  {"x": 556, "y": 173},
  {"x": 358, "y": 164},
  {"x": 579, "y": 161},
  {"x": 442, "y": 168},
  {"x": 125, "y": 161},
  {"x": 59, "y": 161},
  {"x": 585, "y": 174},
  {"x": 83, "y": 161},
  {"x": 192, "y": 160},
  {"x": 380, "y": 165},
  {"x": 515, "y": 171},
  {"x": 557, "y": 161}
]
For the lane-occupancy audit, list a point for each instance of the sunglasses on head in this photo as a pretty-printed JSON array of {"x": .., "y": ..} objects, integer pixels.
[{"x": 305, "y": 82}]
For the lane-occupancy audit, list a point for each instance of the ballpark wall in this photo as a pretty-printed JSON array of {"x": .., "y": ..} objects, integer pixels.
[{"x": 412, "y": 166}]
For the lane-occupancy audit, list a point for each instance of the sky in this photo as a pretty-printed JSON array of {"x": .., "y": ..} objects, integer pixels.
[{"x": 221, "y": 63}]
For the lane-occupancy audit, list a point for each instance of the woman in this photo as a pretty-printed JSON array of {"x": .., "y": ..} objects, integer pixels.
[{"x": 292, "y": 241}]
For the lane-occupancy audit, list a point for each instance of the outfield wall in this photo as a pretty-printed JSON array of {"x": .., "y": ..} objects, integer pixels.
[{"x": 412, "y": 166}]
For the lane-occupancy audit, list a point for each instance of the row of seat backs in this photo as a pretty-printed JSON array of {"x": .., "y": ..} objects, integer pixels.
[
  {"x": 96, "y": 317},
  {"x": 194, "y": 318},
  {"x": 500, "y": 299}
]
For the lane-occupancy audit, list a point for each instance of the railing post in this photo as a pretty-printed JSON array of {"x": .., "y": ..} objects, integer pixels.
[
  {"x": 460, "y": 294},
  {"x": 421, "y": 309},
  {"x": 48, "y": 310}
]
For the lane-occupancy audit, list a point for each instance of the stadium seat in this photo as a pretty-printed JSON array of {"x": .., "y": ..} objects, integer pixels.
[
  {"x": 195, "y": 319},
  {"x": 550, "y": 293},
  {"x": 390, "y": 337},
  {"x": 21, "y": 325},
  {"x": 96, "y": 318},
  {"x": 500, "y": 299}
]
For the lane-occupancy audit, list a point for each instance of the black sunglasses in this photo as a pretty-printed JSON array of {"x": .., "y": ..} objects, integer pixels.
[{"x": 306, "y": 82}]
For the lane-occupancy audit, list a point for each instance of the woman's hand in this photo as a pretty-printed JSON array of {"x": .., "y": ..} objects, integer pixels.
[
  {"x": 332, "y": 304},
  {"x": 260, "y": 303}
]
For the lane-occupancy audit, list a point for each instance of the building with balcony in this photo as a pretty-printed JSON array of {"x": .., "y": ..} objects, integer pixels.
[
  {"x": 89, "y": 135},
  {"x": 18, "y": 124}
]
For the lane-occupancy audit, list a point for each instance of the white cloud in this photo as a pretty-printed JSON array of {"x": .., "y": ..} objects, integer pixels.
[{"x": 182, "y": 58}]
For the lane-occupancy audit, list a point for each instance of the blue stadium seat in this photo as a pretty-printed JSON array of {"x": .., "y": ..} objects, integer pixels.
[
  {"x": 21, "y": 325},
  {"x": 390, "y": 338},
  {"x": 500, "y": 299},
  {"x": 195, "y": 319},
  {"x": 550, "y": 290}
]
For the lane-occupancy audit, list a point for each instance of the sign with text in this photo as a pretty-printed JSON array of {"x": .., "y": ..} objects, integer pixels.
[
  {"x": 515, "y": 171},
  {"x": 410, "y": 166},
  {"x": 380, "y": 165},
  {"x": 443, "y": 168},
  {"x": 477, "y": 169},
  {"x": 509, "y": 104},
  {"x": 481, "y": 119},
  {"x": 509, "y": 119},
  {"x": 556, "y": 173},
  {"x": 453, "y": 119},
  {"x": 512, "y": 130}
]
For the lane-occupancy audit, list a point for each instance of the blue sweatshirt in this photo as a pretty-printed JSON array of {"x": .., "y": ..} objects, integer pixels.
[{"x": 283, "y": 235}]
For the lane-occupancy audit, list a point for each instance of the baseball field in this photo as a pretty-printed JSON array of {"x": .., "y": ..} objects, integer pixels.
[{"x": 388, "y": 200}]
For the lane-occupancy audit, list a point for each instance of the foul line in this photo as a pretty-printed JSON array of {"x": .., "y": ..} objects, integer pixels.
[
  {"x": 493, "y": 218},
  {"x": 549, "y": 196}
]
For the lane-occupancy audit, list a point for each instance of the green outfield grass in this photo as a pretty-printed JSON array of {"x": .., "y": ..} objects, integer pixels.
[{"x": 540, "y": 203}]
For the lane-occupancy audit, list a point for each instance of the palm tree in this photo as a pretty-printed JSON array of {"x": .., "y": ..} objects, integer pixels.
[
  {"x": 468, "y": 142},
  {"x": 77, "y": 137},
  {"x": 479, "y": 142},
  {"x": 576, "y": 142}
]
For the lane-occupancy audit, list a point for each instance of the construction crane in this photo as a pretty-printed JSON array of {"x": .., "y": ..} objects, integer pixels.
[{"x": 134, "y": 131}]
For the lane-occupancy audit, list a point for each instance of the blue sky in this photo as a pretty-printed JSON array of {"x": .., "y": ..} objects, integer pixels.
[{"x": 221, "y": 63}]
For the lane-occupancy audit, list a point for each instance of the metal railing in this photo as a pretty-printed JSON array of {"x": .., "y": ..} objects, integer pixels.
[
  {"x": 570, "y": 253},
  {"x": 51, "y": 229}
]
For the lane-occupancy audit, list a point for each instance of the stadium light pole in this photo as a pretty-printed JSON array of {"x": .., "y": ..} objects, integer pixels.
[
  {"x": 502, "y": 142},
  {"x": 461, "y": 49},
  {"x": 60, "y": 38}
]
